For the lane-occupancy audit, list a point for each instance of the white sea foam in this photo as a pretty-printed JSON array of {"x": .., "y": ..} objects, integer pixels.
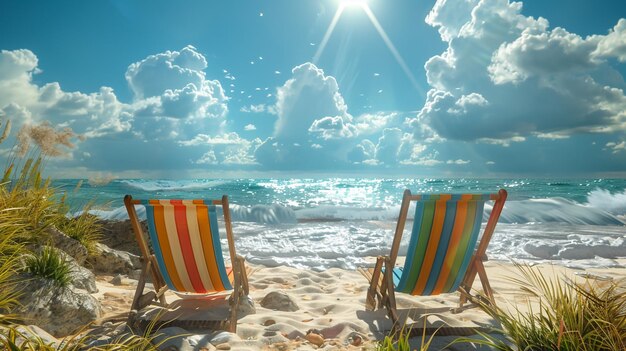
[
  {"x": 346, "y": 244},
  {"x": 612, "y": 203},
  {"x": 270, "y": 214},
  {"x": 118, "y": 214},
  {"x": 537, "y": 230},
  {"x": 327, "y": 212},
  {"x": 558, "y": 242}
]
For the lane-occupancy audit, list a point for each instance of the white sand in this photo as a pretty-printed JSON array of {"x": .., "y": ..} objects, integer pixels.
[{"x": 332, "y": 303}]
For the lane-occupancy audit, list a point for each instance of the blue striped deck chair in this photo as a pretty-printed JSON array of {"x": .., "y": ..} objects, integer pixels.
[
  {"x": 183, "y": 254},
  {"x": 444, "y": 254}
]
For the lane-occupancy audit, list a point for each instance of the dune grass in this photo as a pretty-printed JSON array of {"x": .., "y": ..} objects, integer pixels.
[
  {"x": 15, "y": 340},
  {"x": 8, "y": 292},
  {"x": 28, "y": 206},
  {"x": 86, "y": 228},
  {"x": 561, "y": 314}
]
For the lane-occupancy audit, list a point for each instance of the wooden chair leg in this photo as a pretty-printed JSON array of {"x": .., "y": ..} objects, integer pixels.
[
  {"x": 390, "y": 295},
  {"x": 234, "y": 305},
  {"x": 482, "y": 275},
  {"x": 135, "y": 306},
  {"x": 159, "y": 282},
  {"x": 372, "y": 292},
  {"x": 239, "y": 289},
  {"x": 476, "y": 268},
  {"x": 466, "y": 285},
  {"x": 244, "y": 275}
]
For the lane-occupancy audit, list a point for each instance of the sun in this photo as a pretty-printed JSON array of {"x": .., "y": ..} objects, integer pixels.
[
  {"x": 363, "y": 5},
  {"x": 352, "y": 3}
]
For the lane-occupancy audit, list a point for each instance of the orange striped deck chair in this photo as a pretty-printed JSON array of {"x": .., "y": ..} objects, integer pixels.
[
  {"x": 183, "y": 253},
  {"x": 444, "y": 254}
]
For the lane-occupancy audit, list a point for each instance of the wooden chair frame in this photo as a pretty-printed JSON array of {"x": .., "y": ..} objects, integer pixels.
[
  {"x": 150, "y": 268},
  {"x": 381, "y": 289}
]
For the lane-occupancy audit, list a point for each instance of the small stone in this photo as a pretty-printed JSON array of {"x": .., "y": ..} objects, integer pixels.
[
  {"x": 224, "y": 337},
  {"x": 135, "y": 274},
  {"x": 246, "y": 307},
  {"x": 279, "y": 301},
  {"x": 224, "y": 346},
  {"x": 117, "y": 280},
  {"x": 281, "y": 346},
  {"x": 269, "y": 322},
  {"x": 315, "y": 339}
]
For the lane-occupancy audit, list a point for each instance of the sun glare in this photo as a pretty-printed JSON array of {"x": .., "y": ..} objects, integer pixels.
[
  {"x": 353, "y": 3},
  {"x": 362, "y": 4}
]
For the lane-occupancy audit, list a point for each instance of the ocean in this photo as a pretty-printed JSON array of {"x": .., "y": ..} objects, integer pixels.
[{"x": 340, "y": 222}]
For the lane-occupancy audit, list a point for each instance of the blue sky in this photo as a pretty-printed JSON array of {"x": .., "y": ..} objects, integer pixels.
[{"x": 252, "y": 88}]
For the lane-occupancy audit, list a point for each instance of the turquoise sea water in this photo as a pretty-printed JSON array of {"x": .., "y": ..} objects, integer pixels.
[{"x": 333, "y": 222}]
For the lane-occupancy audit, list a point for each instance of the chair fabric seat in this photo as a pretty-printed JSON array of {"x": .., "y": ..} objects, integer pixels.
[
  {"x": 443, "y": 255},
  {"x": 185, "y": 238},
  {"x": 444, "y": 235},
  {"x": 182, "y": 253}
]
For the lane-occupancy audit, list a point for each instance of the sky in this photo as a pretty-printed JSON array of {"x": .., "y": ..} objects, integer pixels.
[{"x": 282, "y": 88}]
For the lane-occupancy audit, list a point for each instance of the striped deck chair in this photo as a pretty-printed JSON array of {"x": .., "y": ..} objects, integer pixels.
[
  {"x": 185, "y": 256},
  {"x": 443, "y": 256}
]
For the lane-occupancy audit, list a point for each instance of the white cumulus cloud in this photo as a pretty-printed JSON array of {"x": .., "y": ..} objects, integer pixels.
[
  {"x": 506, "y": 77},
  {"x": 314, "y": 128},
  {"x": 24, "y": 101}
]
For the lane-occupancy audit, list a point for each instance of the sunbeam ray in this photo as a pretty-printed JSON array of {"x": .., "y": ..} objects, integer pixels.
[
  {"x": 329, "y": 31},
  {"x": 392, "y": 48},
  {"x": 379, "y": 29}
]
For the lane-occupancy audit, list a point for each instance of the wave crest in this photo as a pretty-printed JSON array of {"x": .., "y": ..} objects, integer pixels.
[
  {"x": 170, "y": 185},
  {"x": 599, "y": 211},
  {"x": 267, "y": 214},
  {"x": 557, "y": 209},
  {"x": 612, "y": 203}
]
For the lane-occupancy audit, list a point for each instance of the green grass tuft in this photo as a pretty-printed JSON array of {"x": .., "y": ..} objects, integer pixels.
[
  {"x": 51, "y": 265},
  {"x": 400, "y": 342},
  {"x": 86, "y": 228}
]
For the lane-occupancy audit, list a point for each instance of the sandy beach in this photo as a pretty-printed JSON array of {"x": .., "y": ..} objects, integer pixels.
[{"x": 331, "y": 303}]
